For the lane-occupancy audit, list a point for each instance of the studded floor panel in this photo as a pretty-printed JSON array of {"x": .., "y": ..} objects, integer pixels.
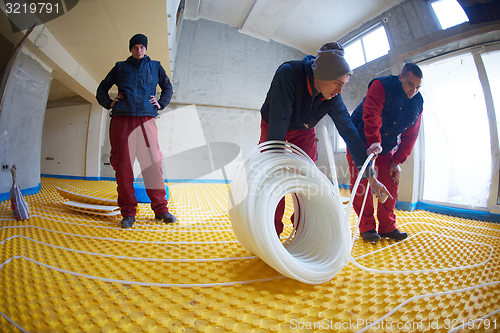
[{"x": 63, "y": 271}]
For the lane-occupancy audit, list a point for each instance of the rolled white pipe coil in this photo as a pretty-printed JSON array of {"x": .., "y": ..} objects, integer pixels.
[{"x": 320, "y": 247}]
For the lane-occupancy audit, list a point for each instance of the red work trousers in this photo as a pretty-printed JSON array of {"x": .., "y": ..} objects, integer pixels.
[
  {"x": 305, "y": 140},
  {"x": 132, "y": 137},
  {"x": 385, "y": 211}
]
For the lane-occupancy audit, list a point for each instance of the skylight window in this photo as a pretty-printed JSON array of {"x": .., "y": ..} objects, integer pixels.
[
  {"x": 366, "y": 48},
  {"x": 449, "y": 13}
]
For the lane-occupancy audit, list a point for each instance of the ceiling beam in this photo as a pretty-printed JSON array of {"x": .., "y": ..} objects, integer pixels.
[
  {"x": 192, "y": 9},
  {"x": 43, "y": 45},
  {"x": 266, "y": 17}
]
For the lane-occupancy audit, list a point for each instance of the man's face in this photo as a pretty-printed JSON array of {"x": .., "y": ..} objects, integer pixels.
[
  {"x": 410, "y": 83},
  {"x": 138, "y": 51},
  {"x": 330, "y": 89}
]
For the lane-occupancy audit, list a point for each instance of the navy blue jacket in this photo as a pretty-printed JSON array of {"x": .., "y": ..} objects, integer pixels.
[
  {"x": 398, "y": 113},
  {"x": 137, "y": 80},
  {"x": 291, "y": 105}
]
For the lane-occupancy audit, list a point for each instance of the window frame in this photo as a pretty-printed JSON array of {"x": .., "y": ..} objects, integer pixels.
[{"x": 363, "y": 34}]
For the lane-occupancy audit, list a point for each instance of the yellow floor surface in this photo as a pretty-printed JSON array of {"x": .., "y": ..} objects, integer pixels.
[{"x": 63, "y": 271}]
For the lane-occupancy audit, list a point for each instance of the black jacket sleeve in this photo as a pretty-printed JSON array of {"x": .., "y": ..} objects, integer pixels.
[{"x": 282, "y": 97}]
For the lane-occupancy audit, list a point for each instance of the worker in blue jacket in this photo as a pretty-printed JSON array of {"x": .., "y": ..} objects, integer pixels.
[
  {"x": 301, "y": 93},
  {"x": 132, "y": 130}
]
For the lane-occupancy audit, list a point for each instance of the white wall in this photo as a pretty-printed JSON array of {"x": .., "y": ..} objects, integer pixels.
[
  {"x": 21, "y": 121},
  {"x": 64, "y": 140}
]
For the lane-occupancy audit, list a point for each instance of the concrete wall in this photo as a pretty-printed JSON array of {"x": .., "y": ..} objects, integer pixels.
[
  {"x": 225, "y": 75},
  {"x": 216, "y": 65},
  {"x": 64, "y": 140},
  {"x": 413, "y": 36},
  {"x": 21, "y": 121}
]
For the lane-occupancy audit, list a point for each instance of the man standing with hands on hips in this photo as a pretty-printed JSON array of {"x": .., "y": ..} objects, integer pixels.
[
  {"x": 389, "y": 117},
  {"x": 133, "y": 132}
]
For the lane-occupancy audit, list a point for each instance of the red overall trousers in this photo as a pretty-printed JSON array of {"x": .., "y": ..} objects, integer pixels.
[
  {"x": 132, "y": 137},
  {"x": 305, "y": 140}
]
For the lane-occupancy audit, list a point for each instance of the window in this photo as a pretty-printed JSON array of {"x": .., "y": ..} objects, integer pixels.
[
  {"x": 340, "y": 145},
  {"x": 449, "y": 13},
  {"x": 457, "y": 153},
  {"x": 368, "y": 47}
]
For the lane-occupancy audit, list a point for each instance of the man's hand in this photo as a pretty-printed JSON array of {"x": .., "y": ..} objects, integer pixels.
[
  {"x": 154, "y": 102},
  {"x": 379, "y": 189},
  {"x": 396, "y": 170},
  {"x": 375, "y": 148},
  {"x": 119, "y": 97}
]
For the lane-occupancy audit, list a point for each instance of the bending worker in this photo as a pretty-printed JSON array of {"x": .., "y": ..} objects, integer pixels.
[
  {"x": 391, "y": 110},
  {"x": 133, "y": 132},
  {"x": 301, "y": 93}
]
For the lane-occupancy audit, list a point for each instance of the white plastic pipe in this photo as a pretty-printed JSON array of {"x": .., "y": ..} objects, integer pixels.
[{"x": 322, "y": 245}]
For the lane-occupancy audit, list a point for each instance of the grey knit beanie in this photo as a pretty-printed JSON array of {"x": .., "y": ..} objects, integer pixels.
[{"x": 330, "y": 64}]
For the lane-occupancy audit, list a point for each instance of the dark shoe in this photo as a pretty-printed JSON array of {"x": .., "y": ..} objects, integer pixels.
[
  {"x": 395, "y": 234},
  {"x": 128, "y": 221},
  {"x": 370, "y": 236},
  {"x": 166, "y": 217}
]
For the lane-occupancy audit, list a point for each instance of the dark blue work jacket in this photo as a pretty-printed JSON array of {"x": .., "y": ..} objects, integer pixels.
[{"x": 137, "y": 80}]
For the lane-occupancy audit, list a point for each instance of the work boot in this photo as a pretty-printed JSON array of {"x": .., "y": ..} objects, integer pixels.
[
  {"x": 128, "y": 221},
  {"x": 370, "y": 236},
  {"x": 395, "y": 234},
  {"x": 166, "y": 217}
]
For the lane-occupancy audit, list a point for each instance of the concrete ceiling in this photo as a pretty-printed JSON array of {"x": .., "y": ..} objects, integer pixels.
[
  {"x": 302, "y": 24},
  {"x": 83, "y": 44}
]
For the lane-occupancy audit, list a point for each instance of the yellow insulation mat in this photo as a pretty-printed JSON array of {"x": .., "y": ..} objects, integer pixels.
[{"x": 62, "y": 271}]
